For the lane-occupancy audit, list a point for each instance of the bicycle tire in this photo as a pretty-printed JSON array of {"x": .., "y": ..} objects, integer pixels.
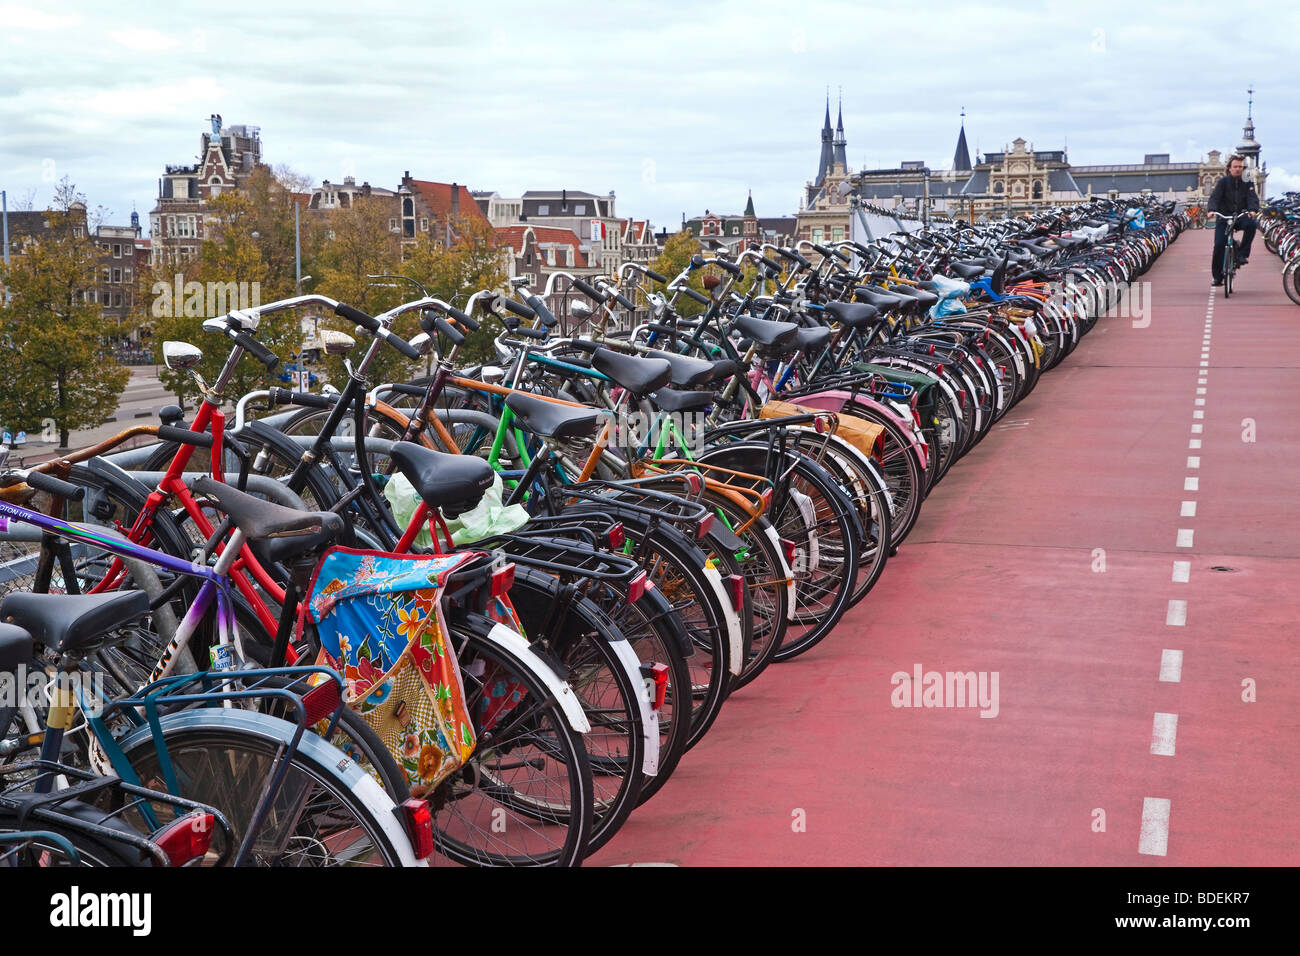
[
  {"x": 223, "y": 759},
  {"x": 472, "y": 838}
]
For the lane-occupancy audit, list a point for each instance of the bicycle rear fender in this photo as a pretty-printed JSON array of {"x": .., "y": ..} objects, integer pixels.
[{"x": 362, "y": 785}]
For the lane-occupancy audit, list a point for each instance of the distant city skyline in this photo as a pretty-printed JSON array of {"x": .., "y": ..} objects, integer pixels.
[{"x": 675, "y": 108}]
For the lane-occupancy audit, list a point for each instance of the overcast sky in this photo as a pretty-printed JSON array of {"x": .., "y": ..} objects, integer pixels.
[{"x": 675, "y": 106}]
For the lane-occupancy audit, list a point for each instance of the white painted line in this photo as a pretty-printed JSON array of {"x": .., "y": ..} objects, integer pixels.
[
  {"x": 1164, "y": 728},
  {"x": 1204, "y": 364},
  {"x": 1191, "y": 484},
  {"x": 1199, "y": 413},
  {"x": 1176, "y": 615},
  {"x": 1184, "y": 538},
  {"x": 1189, "y": 510},
  {"x": 1193, "y": 443},
  {"x": 1154, "y": 839},
  {"x": 1196, "y": 429},
  {"x": 1193, "y": 461},
  {"x": 1171, "y": 666},
  {"x": 1200, "y": 401},
  {"x": 1200, "y": 391},
  {"x": 1201, "y": 380},
  {"x": 1182, "y": 572}
]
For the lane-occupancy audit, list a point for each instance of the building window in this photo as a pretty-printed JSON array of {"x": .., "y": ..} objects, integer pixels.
[
  {"x": 1038, "y": 190},
  {"x": 424, "y": 223},
  {"x": 108, "y": 276},
  {"x": 408, "y": 207},
  {"x": 837, "y": 233},
  {"x": 579, "y": 208},
  {"x": 817, "y": 234},
  {"x": 117, "y": 275},
  {"x": 126, "y": 275},
  {"x": 997, "y": 188},
  {"x": 117, "y": 250},
  {"x": 735, "y": 230},
  {"x": 543, "y": 210}
]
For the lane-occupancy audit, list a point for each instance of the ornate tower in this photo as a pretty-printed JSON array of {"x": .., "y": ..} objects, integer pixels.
[{"x": 1249, "y": 148}]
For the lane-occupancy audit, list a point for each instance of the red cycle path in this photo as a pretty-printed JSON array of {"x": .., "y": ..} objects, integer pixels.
[{"x": 998, "y": 575}]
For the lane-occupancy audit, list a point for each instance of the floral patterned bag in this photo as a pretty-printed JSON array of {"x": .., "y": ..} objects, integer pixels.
[{"x": 380, "y": 622}]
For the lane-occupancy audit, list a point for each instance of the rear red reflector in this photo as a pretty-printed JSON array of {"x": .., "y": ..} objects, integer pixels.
[
  {"x": 737, "y": 585},
  {"x": 658, "y": 675},
  {"x": 767, "y": 498},
  {"x": 419, "y": 825},
  {"x": 617, "y": 537},
  {"x": 637, "y": 587},
  {"x": 187, "y": 838},
  {"x": 706, "y": 524},
  {"x": 790, "y": 548},
  {"x": 321, "y": 701},
  {"x": 502, "y": 580}
]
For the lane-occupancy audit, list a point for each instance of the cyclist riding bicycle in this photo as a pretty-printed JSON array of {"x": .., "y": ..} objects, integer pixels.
[{"x": 1232, "y": 195}]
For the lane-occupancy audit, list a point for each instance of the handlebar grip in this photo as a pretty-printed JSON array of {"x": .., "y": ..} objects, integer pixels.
[
  {"x": 795, "y": 257},
  {"x": 590, "y": 291},
  {"x": 773, "y": 264},
  {"x": 445, "y": 328},
  {"x": 283, "y": 396},
  {"x": 624, "y": 302},
  {"x": 692, "y": 294},
  {"x": 518, "y": 308},
  {"x": 403, "y": 346},
  {"x": 584, "y": 345},
  {"x": 184, "y": 436},
  {"x": 823, "y": 250},
  {"x": 257, "y": 350},
  {"x": 463, "y": 319},
  {"x": 55, "y": 486},
  {"x": 663, "y": 329},
  {"x": 651, "y": 274},
  {"x": 731, "y": 267},
  {"x": 529, "y": 333},
  {"x": 367, "y": 322},
  {"x": 546, "y": 315}
]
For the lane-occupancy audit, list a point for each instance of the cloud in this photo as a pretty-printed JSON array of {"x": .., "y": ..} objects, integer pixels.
[
  {"x": 717, "y": 98},
  {"x": 144, "y": 40}
]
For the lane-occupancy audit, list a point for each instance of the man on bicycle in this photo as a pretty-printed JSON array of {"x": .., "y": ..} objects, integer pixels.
[{"x": 1232, "y": 195}]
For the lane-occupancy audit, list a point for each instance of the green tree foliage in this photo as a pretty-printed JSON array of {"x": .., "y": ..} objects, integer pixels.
[
  {"x": 676, "y": 255},
  {"x": 474, "y": 262},
  {"x": 59, "y": 365}
]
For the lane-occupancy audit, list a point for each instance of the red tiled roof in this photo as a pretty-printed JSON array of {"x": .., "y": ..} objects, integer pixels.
[
  {"x": 513, "y": 236},
  {"x": 437, "y": 196}
]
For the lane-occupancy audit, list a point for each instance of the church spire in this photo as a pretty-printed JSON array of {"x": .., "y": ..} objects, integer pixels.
[
  {"x": 961, "y": 156},
  {"x": 841, "y": 144},
  {"x": 828, "y": 147}
]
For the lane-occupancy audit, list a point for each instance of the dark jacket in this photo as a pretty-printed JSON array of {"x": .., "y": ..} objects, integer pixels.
[{"x": 1232, "y": 196}]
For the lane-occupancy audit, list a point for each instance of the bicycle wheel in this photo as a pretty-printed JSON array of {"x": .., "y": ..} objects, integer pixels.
[
  {"x": 585, "y": 642},
  {"x": 1229, "y": 264},
  {"x": 328, "y": 812},
  {"x": 525, "y": 796}
]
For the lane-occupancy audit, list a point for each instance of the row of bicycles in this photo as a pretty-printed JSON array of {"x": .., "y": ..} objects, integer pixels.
[
  {"x": 480, "y": 617},
  {"x": 1280, "y": 224}
]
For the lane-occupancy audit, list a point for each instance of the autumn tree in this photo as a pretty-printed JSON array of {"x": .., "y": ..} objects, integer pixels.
[
  {"x": 246, "y": 258},
  {"x": 60, "y": 365},
  {"x": 676, "y": 256}
]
